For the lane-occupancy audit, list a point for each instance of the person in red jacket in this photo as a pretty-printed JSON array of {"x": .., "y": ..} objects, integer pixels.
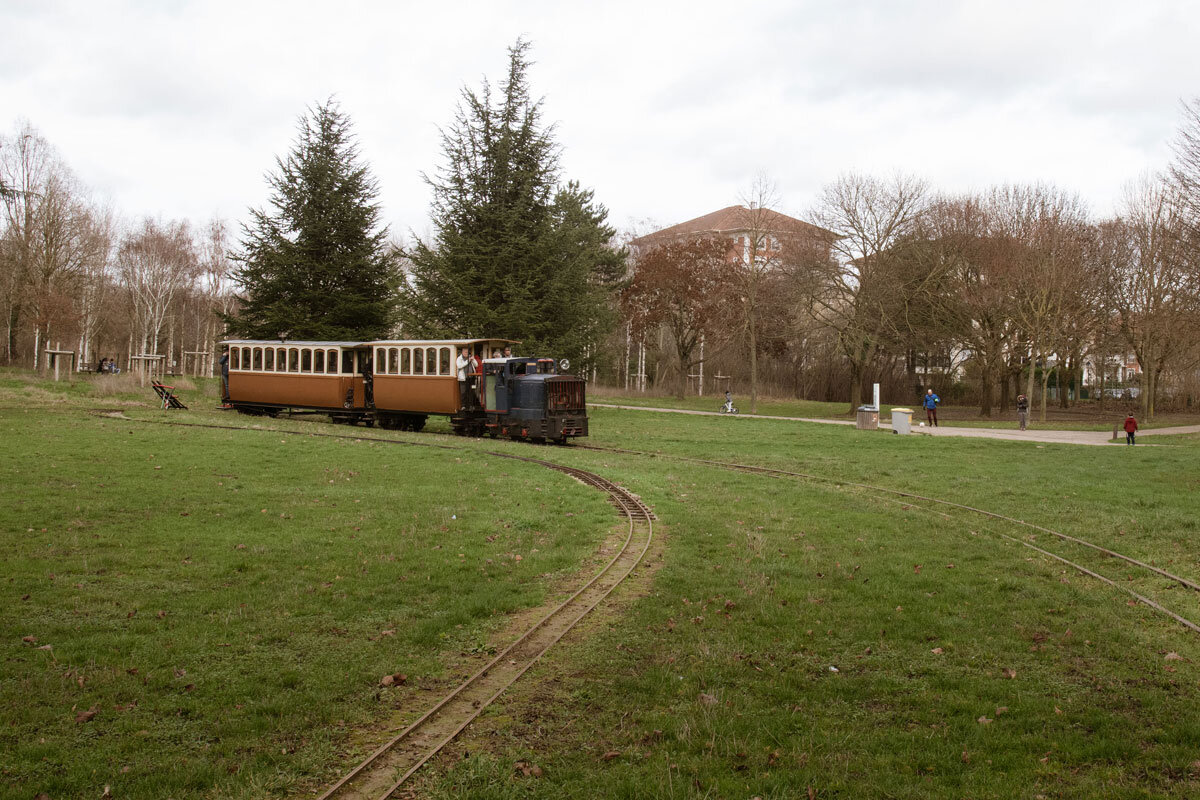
[{"x": 1130, "y": 429}]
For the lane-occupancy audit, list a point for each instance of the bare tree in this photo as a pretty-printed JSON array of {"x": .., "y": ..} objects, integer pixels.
[
  {"x": 216, "y": 284},
  {"x": 760, "y": 252},
  {"x": 156, "y": 260},
  {"x": 683, "y": 286},
  {"x": 1152, "y": 281},
  {"x": 852, "y": 292},
  {"x": 1045, "y": 230}
]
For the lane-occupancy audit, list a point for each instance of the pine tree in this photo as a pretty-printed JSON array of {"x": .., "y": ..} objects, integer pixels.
[
  {"x": 514, "y": 254},
  {"x": 318, "y": 266}
]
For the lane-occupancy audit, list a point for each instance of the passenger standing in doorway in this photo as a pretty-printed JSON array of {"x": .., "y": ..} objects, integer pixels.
[
  {"x": 462, "y": 364},
  {"x": 476, "y": 379},
  {"x": 225, "y": 376},
  {"x": 1131, "y": 427},
  {"x": 930, "y": 401},
  {"x": 508, "y": 352},
  {"x": 1022, "y": 410}
]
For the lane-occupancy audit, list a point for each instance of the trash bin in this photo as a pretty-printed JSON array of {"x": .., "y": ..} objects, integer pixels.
[
  {"x": 868, "y": 418},
  {"x": 902, "y": 420}
]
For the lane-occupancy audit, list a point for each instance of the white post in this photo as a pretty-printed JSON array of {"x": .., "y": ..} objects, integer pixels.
[
  {"x": 877, "y": 397},
  {"x": 701, "y": 392}
]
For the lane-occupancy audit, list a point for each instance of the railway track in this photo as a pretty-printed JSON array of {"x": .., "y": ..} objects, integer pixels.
[
  {"x": 386, "y": 770},
  {"x": 914, "y": 499},
  {"x": 383, "y": 772}
]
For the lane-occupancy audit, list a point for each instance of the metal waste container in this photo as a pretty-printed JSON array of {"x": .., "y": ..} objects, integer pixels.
[
  {"x": 902, "y": 420},
  {"x": 868, "y": 418}
]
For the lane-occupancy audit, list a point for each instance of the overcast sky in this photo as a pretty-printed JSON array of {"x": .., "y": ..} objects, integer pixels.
[{"x": 667, "y": 110}]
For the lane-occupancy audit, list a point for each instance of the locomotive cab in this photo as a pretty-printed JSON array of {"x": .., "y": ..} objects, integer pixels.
[{"x": 526, "y": 398}]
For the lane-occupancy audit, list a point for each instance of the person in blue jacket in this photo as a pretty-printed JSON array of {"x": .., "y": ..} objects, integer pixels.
[{"x": 930, "y": 401}]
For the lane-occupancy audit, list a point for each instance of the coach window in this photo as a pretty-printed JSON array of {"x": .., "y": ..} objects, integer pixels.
[
  {"x": 318, "y": 360},
  {"x": 245, "y": 358},
  {"x": 331, "y": 361},
  {"x": 394, "y": 361},
  {"x": 306, "y": 360},
  {"x": 405, "y": 361},
  {"x": 280, "y": 359},
  {"x": 293, "y": 359},
  {"x": 234, "y": 360},
  {"x": 418, "y": 361},
  {"x": 269, "y": 359},
  {"x": 431, "y": 361},
  {"x": 444, "y": 361},
  {"x": 258, "y": 358}
]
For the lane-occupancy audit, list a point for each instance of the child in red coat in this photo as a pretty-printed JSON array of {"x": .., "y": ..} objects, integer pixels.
[{"x": 1130, "y": 429}]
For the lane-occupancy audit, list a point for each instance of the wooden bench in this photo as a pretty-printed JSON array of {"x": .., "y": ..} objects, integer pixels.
[{"x": 167, "y": 394}]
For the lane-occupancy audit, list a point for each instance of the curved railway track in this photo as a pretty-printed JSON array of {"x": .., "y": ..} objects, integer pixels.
[
  {"x": 933, "y": 501},
  {"x": 385, "y": 770}
]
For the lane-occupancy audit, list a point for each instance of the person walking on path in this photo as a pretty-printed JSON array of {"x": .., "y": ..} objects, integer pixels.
[
  {"x": 930, "y": 401},
  {"x": 1022, "y": 410},
  {"x": 1131, "y": 427}
]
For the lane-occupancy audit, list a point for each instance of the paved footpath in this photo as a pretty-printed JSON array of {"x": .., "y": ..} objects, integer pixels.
[{"x": 1030, "y": 435}]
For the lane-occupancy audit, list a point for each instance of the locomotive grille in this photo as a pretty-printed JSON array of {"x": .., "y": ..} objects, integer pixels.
[{"x": 565, "y": 394}]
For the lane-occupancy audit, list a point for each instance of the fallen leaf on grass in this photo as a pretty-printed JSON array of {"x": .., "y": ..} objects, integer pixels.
[
  {"x": 1010, "y": 673},
  {"x": 527, "y": 769},
  {"x": 395, "y": 679},
  {"x": 707, "y": 699},
  {"x": 162, "y": 615},
  {"x": 29, "y": 639},
  {"x": 937, "y": 651},
  {"x": 917, "y": 569},
  {"x": 1173, "y": 656},
  {"x": 611, "y": 754},
  {"x": 984, "y": 721},
  {"x": 1057, "y": 710},
  {"x": 86, "y": 716},
  {"x": 46, "y": 647}
]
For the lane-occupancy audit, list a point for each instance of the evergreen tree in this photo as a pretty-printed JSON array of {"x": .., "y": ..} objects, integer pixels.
[
  {"x": 514, "y": 254},
  {"x": 317, "y": 266}
]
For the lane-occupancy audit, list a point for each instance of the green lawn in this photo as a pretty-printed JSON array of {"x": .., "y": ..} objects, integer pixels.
[{"x": 966, "y": 665}]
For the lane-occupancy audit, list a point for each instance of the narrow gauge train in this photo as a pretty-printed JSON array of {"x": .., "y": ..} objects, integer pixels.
[{"x": 398, "y": 384}]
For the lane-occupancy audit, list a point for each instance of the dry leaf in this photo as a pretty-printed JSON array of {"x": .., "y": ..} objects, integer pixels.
[
  {"x": 611, "y": 754},
  {"x": 1010, "y": 673},
  {"x": 85, "y": 716},
  {"x": 984, "y": 721},
  {"x": 1172, "y": 656},
  {"x": 707, "y": 699},
  {"x": 937, "y": 651},
  {"x": 29, "y": 639},
  {"x": 1057, "y": 710}
]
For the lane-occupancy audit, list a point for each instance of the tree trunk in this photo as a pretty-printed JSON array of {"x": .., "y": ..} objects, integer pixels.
[
  {"x": 1045, "y": 382},
  {"x": 856, "y": 386}
]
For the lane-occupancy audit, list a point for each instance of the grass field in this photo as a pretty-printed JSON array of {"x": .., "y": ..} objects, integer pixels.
[{"x": 964, "y": 665}]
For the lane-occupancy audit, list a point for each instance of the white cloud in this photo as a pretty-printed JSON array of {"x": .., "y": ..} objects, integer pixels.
[{"x": 667, "y": 109}]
